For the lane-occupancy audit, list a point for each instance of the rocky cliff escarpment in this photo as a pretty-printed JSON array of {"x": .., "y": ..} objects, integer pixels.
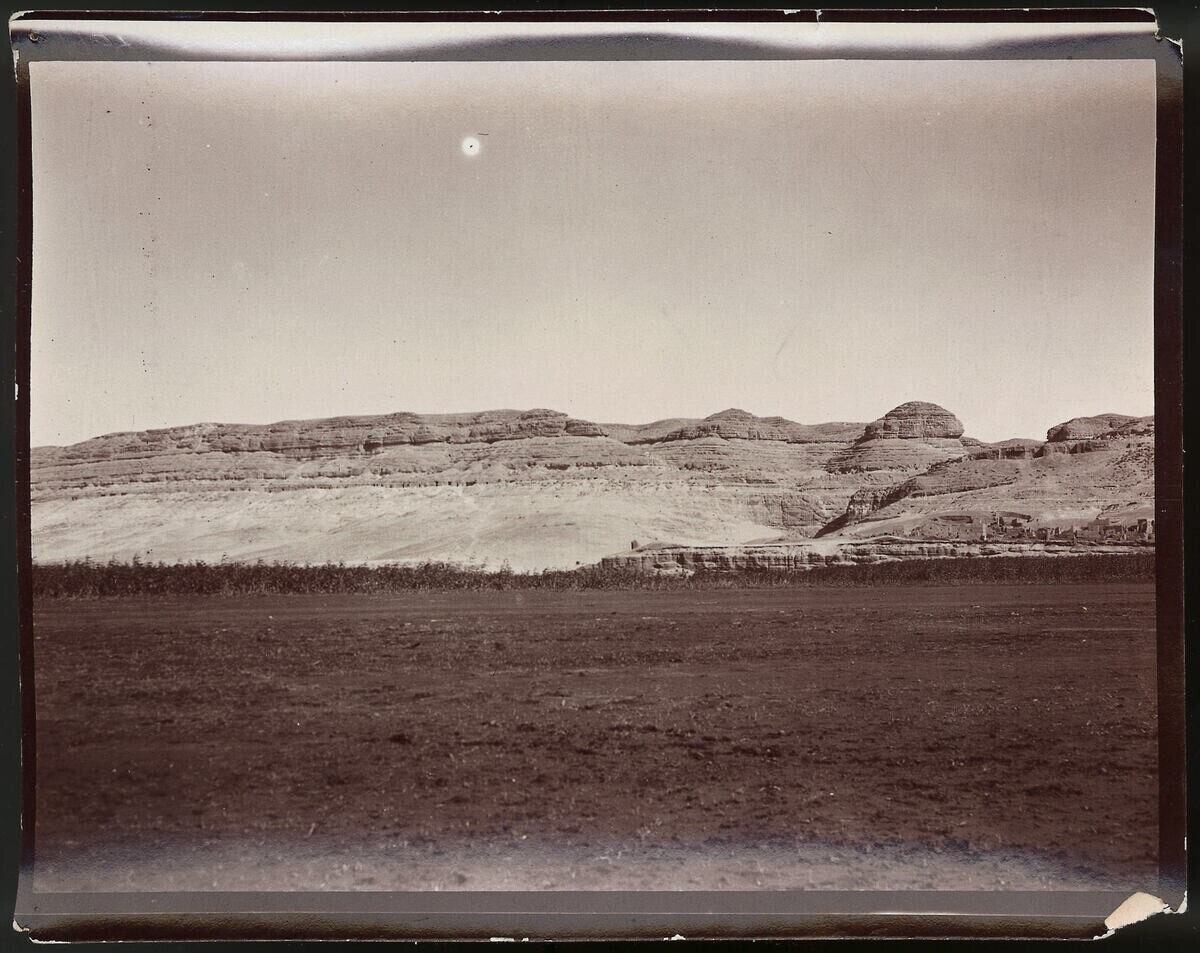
[
  {"x": 312, "y": 439},
  {"x": 1088, "y": 466},
  {"x": 798, "y": 557},
  {"x": 1083, "y": 428},
  {"x": 538, "y": 488},
  {"x": 1091, "y": 434},
  {"x": 534, "y": 488}
]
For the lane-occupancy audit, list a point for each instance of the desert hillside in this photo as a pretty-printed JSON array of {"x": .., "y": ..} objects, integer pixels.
[{"x": 539, "y": 489}]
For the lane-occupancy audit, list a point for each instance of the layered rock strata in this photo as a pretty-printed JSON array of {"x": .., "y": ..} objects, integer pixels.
[
  {"x": 911, "y": 437},
  {"x": 1067, "y": 481},
  {"x": 539, "y": 489},
  {"x": 916, "y": 420},
  {"x": 799, "y": 557}
]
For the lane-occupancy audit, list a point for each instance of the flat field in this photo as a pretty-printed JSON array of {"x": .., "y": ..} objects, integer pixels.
[{"x": 968, "y": 737}]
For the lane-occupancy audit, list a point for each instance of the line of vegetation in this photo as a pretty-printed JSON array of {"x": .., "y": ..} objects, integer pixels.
[{"x": 85, "y": 579}]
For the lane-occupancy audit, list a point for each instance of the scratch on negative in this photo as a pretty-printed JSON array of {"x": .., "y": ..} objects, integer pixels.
[{"x": 784, "y": 343}]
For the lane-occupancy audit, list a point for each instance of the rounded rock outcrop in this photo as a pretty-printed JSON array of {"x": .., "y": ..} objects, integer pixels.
[
  {"x": 1084, "y": 428},
  {"x": 916, "y": 420},
  {"x": 583, "y": 428}
]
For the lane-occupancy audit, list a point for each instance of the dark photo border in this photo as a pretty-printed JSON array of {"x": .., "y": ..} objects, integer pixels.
[{"x": 595, "y": 915}]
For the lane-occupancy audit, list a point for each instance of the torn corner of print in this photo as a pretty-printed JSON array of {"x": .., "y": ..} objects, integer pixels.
[{"x": 1134, "y": 909}]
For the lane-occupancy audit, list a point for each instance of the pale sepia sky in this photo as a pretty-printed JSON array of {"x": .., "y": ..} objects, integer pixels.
[{"x": 248, "y": 242}]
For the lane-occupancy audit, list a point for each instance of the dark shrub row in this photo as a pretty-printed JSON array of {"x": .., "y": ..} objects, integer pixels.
[{"x": 87, "y": 579}]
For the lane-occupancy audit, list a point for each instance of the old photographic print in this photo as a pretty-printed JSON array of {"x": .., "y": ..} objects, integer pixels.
[{"x": 590, "y": 472}]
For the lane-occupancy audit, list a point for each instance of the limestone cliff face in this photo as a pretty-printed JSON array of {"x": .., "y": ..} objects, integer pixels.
[
  {"x": 869, "y": 499},
  {"x": 1089, "y": 465},
  {"x": 892, "y": 455},
  {"x": 536, "y": 488},
  {"x": 1016, "y": 449},
  {"x": 311, "y": 439},
  {"x": 1092, "y": 434},
  {"x": 799, "y": 557},
  {"x": 1082, "y": 428}
]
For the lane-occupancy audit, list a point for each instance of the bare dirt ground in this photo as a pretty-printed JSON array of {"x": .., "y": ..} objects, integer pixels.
[{"x": 971, "y": 737}]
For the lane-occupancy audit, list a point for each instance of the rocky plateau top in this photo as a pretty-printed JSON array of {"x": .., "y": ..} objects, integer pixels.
[{"x": 1086, "y": 428}]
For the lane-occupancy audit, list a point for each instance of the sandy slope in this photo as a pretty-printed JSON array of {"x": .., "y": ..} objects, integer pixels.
[{"x": 529, "y": 527}]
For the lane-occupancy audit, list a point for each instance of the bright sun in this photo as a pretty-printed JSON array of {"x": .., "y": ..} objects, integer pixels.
[{"x": 470, "y": 146}]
